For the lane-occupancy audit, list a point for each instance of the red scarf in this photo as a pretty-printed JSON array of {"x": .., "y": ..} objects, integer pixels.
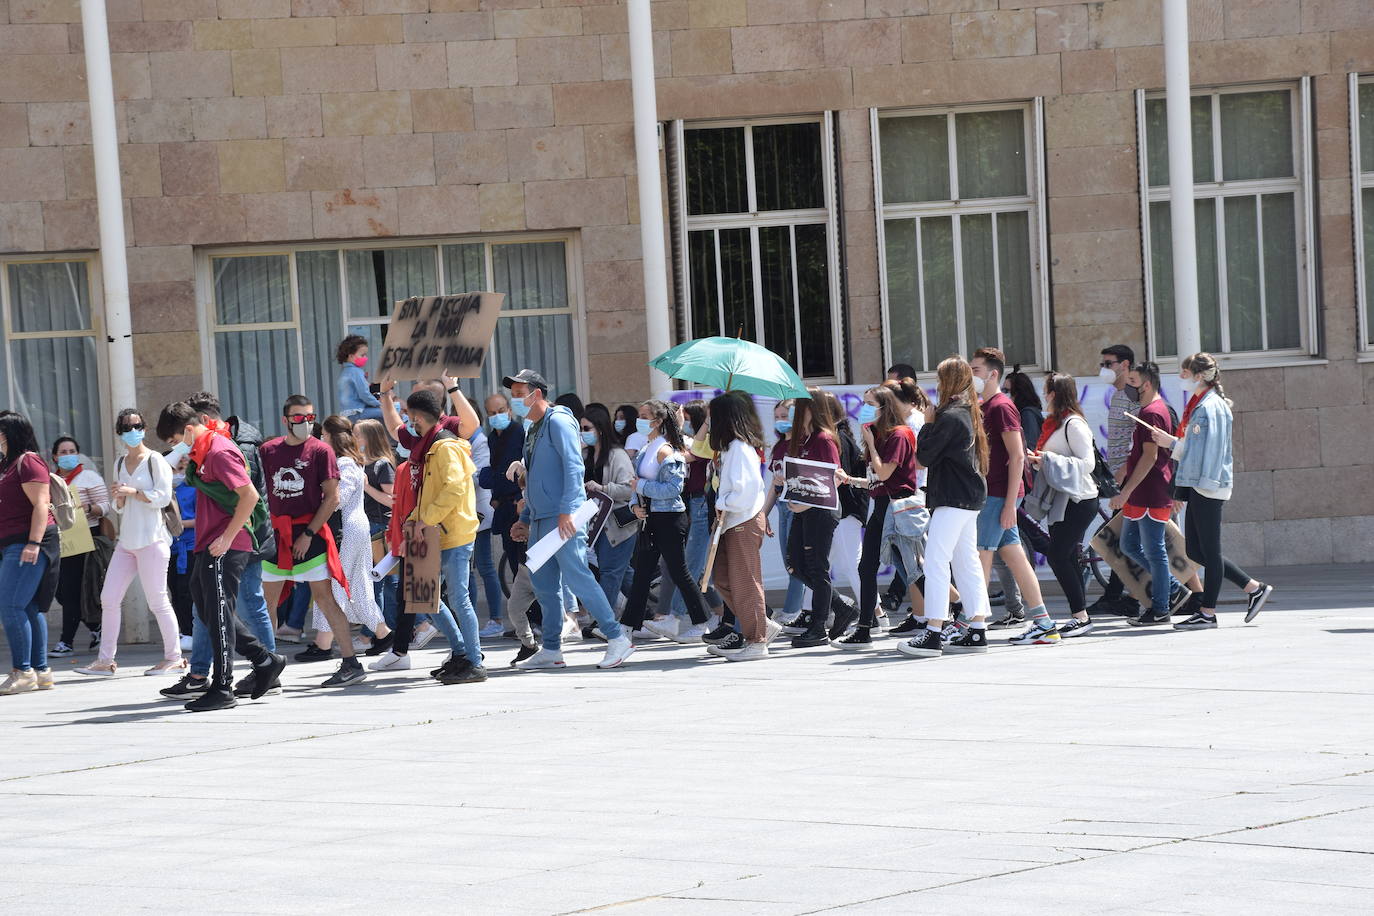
[
  {"x": 419, "y": 453},
  {"x": 69, "y": 477},
  {"x": 284, "y": 527},
  {"x": 1046, "y": 430},
  {"x": 1188, "y": 412},
  {"x": 219, "y": 427}
]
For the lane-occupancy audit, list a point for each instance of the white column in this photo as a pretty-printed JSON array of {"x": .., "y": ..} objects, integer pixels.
[
  {"x": 657, "y": 317},
  {"x": 1178, "y": 104},
  {"x": 110, "y": 203}
]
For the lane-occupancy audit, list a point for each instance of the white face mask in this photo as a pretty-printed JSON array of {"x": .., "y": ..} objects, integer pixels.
[
  {"x": 979, "y": 384},
  {"x": 1107, "y": 375}
]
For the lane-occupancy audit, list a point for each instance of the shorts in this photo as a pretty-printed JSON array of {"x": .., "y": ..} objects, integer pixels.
[
  {"x": 991, "y": 534},
  {"x": 314, "y": 568},
  {"x": 1136, "y": 513}
]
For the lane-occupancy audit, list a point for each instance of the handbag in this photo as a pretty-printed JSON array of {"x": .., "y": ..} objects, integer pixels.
[
  {"x": 171, "y": 517},
  {"x": 1103, "y": 477},
  {"x": 624, "y": 516}
]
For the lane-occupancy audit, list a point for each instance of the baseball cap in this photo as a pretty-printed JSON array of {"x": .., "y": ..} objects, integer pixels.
[{"x": 526, "y": 377}]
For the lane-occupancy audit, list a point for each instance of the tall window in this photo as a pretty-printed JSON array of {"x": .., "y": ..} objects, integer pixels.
[
  {"x": 1250, "y": 209},
  {"x": 759, "y": 255},
  {"x": 279, "y": 314},
  {"x": 1362, "y": 156},
  {"x": 49, "y": 366},
  {"x": 960, "y": 246}
]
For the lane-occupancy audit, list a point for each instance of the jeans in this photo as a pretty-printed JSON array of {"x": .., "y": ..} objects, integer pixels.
[
  {"x": 698, "y": 546},
  {"x": 254, "y": 615},
  {"x": 664, "y": 536},
  {"x": 297, "y": 606},
  {"x": 26, "y": 625},
  {"x": 613, "y": 564},
  {"x": 796, "y": 588},
  {"x": 384, "y": 592},
  {"x": 991, "y": 534},
  {"x": 215, "y": 585},
  {"x": 486, "y": 571},
  {"x": 1202, "y": 532},
  {"x": 1143, "y": 541},
  {"x": 568, "y": 569},
  {"x": 457, "y": 567},
  {"x": 149, "y": 565},
  {"x": 952, "y": 545}
]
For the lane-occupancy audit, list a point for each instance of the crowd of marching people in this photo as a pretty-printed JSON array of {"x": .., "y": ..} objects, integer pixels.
[{"x": 242, "y": 544}]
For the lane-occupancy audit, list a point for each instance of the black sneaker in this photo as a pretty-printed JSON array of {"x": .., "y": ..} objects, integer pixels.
[
  {"x": 1178, "y": 598},
  {"x": 1257, "y": 600},
  {"x": 1198, "y": 621},
  {"x": 858, "y": 640},
  {"x": 1148, "y": 619},
  {"x": 314, "y": 653},
  {"x": 718, "y": 635},
  {"x": 816, "y": 636},
  {"x": 265, "y": 675},
  {"x": 464, "y": 672},
  {"x": 845, "y": 615},
  {"x": 1105, "y": 606},
  {"x": 244, "y": 688},
  {"x": 729, "y": 644},
  {"x": 350, "y": 671},
  {"x": 1075, "y": 627},
  {"x": 907, "y": 628},
  {"x": 970, "y": 640},
  {"x": 186, "y": 688},
  {"x": 521, "y": 654},
  {"x": 212, "y": 700},
  {"x": 1008, "y": 622},
  {"x": 926, "y": 645},
  {"x": 381, "y": 645},
  {"x": 592, "y": 631},
  {"x": 798, "y": 626},
  {"x": 95, "y": 641},
  {"x": 1190, "y": 607},
  {"x": 890, "y": 603},
  {"x": 997, "y": 599}
]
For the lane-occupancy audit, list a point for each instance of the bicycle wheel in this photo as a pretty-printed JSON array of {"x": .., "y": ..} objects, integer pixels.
[
  {"x": 506, "y": 571},
  {"x": 1097, "y": 566}
]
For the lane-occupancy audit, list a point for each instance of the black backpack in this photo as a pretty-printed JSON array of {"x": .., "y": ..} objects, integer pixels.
[{"x": 854, "y": 501}]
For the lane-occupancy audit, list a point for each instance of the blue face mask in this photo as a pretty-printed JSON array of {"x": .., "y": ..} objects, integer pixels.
[
  {"x": 132, "y": 437},
  {"x": 588, "y": 437},
  {"x": 519, "y": 408},
  {"x": 68, "y": 462},
  {"x": 782, "y": 427},
  {"x": 642, "y": 426},
  {"x": 868, "y": 413},
  {"x": 403, "y": 451},
  {"x": 410, "y": 428},
  {"x": 688, "y": 429},
  {"x": 499, "y": 421},
  {"x": 791, "y": 414},
  {"x": 178, "y": 453},
  {"x": 620, "y": 426}
]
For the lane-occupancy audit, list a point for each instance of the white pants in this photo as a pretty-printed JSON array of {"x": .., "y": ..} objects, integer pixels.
[
  {"x": 844, "y": 554},
  {"x": 149, "y": 565},
  {"x": 952, "y": 541}
]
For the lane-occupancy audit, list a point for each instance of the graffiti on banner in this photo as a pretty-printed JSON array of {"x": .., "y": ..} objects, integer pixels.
[{"x": 1136, "y": 578}]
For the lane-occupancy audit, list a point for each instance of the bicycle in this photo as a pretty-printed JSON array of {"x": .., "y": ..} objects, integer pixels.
[{"x": 1092, "y": 565}]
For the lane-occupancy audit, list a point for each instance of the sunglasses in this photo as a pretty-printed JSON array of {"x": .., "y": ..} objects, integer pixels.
[
  {"x": 133, "y": 426},
  {"x": 301, "y": 418}
]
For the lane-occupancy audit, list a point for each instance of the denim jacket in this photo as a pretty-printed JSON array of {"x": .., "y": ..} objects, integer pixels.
[
  {"x": 352, "y": 391},
  {"x": 1206, "y": 458},
  {"x": 665, "y": 493}
]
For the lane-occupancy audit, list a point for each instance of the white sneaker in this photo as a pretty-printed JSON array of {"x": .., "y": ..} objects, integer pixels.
[
  {"x": 187, "y": 643},
  {"x": 667, "y": 627},
  {"x": 692, "y": 635},
  {"x": 544, "y": 658},
  {"x": 361, "y": 644},
  {"x": 749, "y": 652},
  {"x": 424, "y": 637},
  {"x": 774, "y": 631},
  {"x": 617, "y": 651},
  {"x": 492, "y": 630},
  {"x": 643, "y": 634},
  {"x": 571, "y": 631},
  {"x": 390, "y": 661}
]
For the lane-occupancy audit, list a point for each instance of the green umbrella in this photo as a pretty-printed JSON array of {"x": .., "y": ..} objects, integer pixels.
[{"x": 731, "y": 364}]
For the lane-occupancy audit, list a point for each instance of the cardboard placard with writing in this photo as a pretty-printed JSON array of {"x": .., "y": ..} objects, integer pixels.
[
  {"x": 1136, "y": 578},
  {"x": 420, "y": 585},
  {"x": 433, "y": 336},
  {"x": 810, "y": 483}
]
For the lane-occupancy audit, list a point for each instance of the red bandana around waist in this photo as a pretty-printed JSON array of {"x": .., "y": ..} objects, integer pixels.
[{"x": 284, "y": 525}]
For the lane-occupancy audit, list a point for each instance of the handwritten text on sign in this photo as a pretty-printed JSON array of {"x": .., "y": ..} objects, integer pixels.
[
  {"x": 439, "y": 335},
  {"x": 420, "y": 586}
]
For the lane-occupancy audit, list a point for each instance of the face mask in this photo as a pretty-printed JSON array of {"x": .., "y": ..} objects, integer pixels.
[
  {"x": 299, "y": 430},
  {"x": 620, "y": 426},
  {"x": 791, "y": 414},
  {"x": 520, "y": 408},
  {"x": 1107, "y": 375},
  {"x": 360, "y": 361},
  {"x": 499, "y": 421},
  {"x": 588, "y": 437},
  {"x": 410, "y": 428},
  {"x": 68, "y": 462},
  {"x": 402, "y": 451},
  {"x": 868, "y": 413},
  {"x": 642, "y": 426},
  {"x": 132, "y": 437},
  {"x": 782, "y": 427},
  {"x": 178, "y": 453},
  {"x": 178, "y": 479},
  {"x": 1132, "y": 392},
  {"x": 978, "y": 385},
  {"x": 688, "y": 429}
]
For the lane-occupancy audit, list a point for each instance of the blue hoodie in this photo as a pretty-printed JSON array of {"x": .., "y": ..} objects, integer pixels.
[{"x": 553, "y": 463}]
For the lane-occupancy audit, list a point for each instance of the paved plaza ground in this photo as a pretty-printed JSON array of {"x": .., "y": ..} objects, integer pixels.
[{"x": 1130, "y": 771}]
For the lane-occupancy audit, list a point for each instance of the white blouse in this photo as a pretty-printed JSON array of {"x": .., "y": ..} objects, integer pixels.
[{"x": 141, "y": 523}]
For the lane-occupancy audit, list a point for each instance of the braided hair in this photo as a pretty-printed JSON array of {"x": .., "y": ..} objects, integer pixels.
[{"x": 1205, "y": 369}]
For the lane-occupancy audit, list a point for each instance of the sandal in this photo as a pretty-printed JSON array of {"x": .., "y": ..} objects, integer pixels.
[
  {"x": 99, "y": 668},
  {"x": 168, "y": 666}
]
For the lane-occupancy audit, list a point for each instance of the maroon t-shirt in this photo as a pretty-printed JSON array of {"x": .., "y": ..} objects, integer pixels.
[
  {"x": 820, "y": 446},
  {"x": 16, "y": 512},
  {"x": 295, "y": 475},
  {"x": 999, "y": 416},
  {"x": 899, "y": 448},
  {"x": 775, "y": 456},
  {"x": 1154, "y": 491},
  {"x": 696, "y": 477},
  {"x": 222, "y": 463}
]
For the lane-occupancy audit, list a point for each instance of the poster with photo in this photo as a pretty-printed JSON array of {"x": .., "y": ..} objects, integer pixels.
[{"x": 810, "y": 483}]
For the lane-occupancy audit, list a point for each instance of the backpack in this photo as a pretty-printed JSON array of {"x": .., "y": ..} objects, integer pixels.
[{"x": 62, "y": 505}]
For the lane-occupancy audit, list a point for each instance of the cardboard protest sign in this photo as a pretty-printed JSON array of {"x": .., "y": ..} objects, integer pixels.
[
  {"x": 77, "y": 539},
  {"x": 435, "y": 336},
  {"x": 1107, "y": 543},
  {"x": 810, "y": 483},
  {"x": 604, "y": 504},
  {"x": 420, "y": 584}
]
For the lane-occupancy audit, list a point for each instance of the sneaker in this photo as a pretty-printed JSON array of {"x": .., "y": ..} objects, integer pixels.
[
  {"x": 667, "y": 627},
  {"x": 890, "y": 603},
  {"x": 951, "y": 631},
  {"x": 267, "y": 675},
  {"x": 1008, "y": 622},
  {"x": 617, "y": 651},
  {"x": 845, "y": 616},
  {"x": 723, "y": 632},
  {"x": 1178, "y": 598},
  {"x": 810, "y": 640},
  {"x": 391, "y": 662},
  {"x": 187, "y": 644},
  {"x": 926, "y": 645},
  {"x": 1075, "y": 627},
  {"x": 907, "y": 628},
  {"x": 523, "y": 653},
  {"x": 286, "y": 634},
  {"x": 691, "y": 636},
  {"x": 729, "y": 644},
  {"x": 186, "y": 688},
  {"x": 1257, "y": 601},
  {"x": 746, "y": 653},
  {"x": 61, "y": 649},
  {"x": 973, "y": 641},
  {"x": 1147, "y": 619},
  {"x": 492, "y": 630},
  {"x": 380, "y": 644},
  {"x": 314, "y": 653},
  {"x": 211, "y": 701},
  {"x": 544, "y": 658},
  {"x": 99, "y": 668},
  {"x": 45, "y": 679},
  {"x": 462, "y": 671},
  {"x": 245, "y": 687},
  {"x": 797, "y": 625},
  {"x": 424, "y": 637},
  {"x": 774, "y": 630},
  {"x": 1198, "y": 621},
  {"x": 361, "y": 644},
  {"x": 997, "y": 598},
  {"x": 1190, "y": 607},
  {"x": 350, "y": 671},
  {"x": 858, "y": 640},
  {"x": 1035, "y": 635},
  {"x": 880, "y": 625},
  {"x": 19, "y": 682},
  {"x": 571, "y": 631},
  {"x": 95, "y": 641}
]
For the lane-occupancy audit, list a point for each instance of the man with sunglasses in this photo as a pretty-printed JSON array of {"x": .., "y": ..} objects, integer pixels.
[{"x": 302, "y": 493}]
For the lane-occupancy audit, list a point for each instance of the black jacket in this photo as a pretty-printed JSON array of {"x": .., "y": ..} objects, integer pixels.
[
  {"x": 854, "y": 501},
  {"x": 945, "y": 447}
]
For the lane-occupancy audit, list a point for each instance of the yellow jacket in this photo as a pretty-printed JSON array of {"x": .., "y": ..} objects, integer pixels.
[{"x": 447, "y": 498}]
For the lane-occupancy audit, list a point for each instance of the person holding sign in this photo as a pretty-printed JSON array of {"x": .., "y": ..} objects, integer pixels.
[{"x": 554, "y": 473}]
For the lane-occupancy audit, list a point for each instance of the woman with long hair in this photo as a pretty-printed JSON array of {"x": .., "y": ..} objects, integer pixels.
[
  {"x": 89, "y": 491},
  {"x": 626, "y": 425},
  {"x": 696, "y": 432},
  {"x": 661, "y": 472},
  {"x": 791, "y": 618},
  {"x": 608, "y": 470},
  {"x": 29, "y": 550},
  {"x": 847, "y": 545},
  {"x": 953, "y": 446},
  {"x": 379, "y": 495},
  {"x": 1021, "y": 390},
  {"x": 1064, "y": 494},
  {"x": 1201, "y": 445}
]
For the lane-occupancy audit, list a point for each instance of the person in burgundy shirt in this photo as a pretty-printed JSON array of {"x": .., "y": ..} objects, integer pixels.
[
  {"x": 29, "y": 553},
  {"x": 225, "y": 500},
  {"x": 1146, "y": 500},
  {"x": 997, "y": 531}
]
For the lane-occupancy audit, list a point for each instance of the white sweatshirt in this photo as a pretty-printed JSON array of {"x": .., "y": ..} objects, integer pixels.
[{"x": 741, "y": 484}]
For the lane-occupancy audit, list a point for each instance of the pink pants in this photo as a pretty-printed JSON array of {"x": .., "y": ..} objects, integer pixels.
[{"x": 150, "y": 565}]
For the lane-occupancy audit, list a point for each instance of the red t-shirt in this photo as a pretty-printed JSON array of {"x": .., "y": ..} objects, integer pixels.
[
  {"x": 16, "y": 512},
  {"x": 1000, "y": 415},
  {"x": 899, "y": 448},
  {"x": 222, "y": 463},
  {"x": 295, "y": 475},
  {"x": 1153, "y": 492}
]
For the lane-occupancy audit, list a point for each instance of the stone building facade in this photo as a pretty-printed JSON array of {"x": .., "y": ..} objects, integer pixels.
[{"x": 290, "y": 165}]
